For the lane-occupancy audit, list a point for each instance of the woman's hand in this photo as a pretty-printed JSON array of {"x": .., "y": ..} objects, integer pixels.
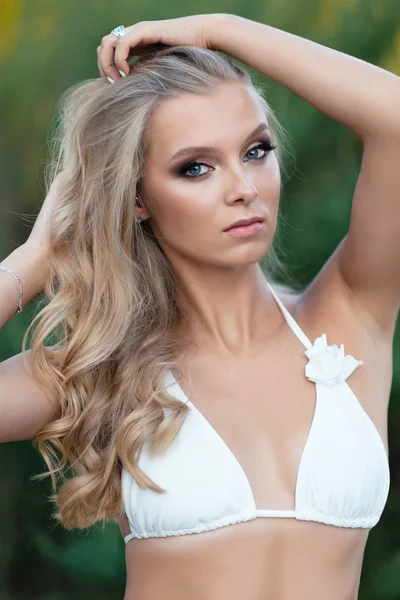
[
  {"x": 39, "y": 236},
  {"x": 197, "y": 30}
]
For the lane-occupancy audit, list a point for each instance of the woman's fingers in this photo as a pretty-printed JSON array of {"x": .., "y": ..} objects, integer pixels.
[
  {"x": 113, "y": 52},
  {"x": 123, "y": 50},
  {"x": 105, "y": 57},
  {"x": 98, "y": 62}
]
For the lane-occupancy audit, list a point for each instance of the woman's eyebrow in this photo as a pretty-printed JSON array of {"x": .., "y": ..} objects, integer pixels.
[{"x": 211, "y": 149}]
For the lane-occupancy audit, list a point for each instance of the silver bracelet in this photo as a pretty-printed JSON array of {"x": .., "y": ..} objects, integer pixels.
[{"x": 21, "y": 289}]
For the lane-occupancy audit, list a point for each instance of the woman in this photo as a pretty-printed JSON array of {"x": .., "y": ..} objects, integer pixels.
[{"x": 241, "y": 459}]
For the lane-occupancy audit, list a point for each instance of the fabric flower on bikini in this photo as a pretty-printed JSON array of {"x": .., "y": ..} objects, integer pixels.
[{"x": 328, "y": 364}]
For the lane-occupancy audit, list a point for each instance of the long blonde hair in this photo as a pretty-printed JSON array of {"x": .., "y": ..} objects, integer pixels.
[{"x": 111, "y": 303}]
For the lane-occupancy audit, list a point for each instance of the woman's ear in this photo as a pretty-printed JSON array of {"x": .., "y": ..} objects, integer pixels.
[{"x": 140, "y": 210}]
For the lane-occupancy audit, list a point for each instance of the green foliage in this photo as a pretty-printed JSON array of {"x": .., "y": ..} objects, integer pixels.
[
  {"x": 47, "y": 46},
  {"x": 89, "y": 557}
]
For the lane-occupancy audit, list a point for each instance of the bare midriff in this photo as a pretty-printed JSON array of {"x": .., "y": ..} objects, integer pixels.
[{"x": 262, "y": 559}]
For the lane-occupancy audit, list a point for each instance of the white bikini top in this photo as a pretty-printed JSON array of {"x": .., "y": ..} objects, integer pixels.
[{"x": 343, "y": 477}]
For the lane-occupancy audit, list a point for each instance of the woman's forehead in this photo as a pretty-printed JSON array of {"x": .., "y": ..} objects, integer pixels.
[{"x": 230, "y": 111}]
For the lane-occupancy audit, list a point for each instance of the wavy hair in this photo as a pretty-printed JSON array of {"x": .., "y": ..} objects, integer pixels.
[{"x": 110, "y": 303}]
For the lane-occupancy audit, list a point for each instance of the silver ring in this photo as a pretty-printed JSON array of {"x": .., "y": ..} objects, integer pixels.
[{"x": 119, "y": 31}]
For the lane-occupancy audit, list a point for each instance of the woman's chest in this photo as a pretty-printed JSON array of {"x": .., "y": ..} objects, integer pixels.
[
  {"x": 266, "y": 410},
  {"x": 262, "y": 409}
]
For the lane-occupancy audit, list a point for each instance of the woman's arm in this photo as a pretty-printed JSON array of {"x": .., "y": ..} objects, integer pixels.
[
  {"x": 357, "y": 94},
  {"x": 366, "y": 99}
]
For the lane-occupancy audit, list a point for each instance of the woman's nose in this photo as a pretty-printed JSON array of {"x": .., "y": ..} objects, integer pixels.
[{"x": 241, "y": 188}]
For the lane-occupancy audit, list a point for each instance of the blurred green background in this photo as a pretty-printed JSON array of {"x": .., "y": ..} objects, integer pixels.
[{"x": 46, "y": 46}]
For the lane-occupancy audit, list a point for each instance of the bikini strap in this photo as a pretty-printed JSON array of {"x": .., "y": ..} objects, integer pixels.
[{"x": 291, "y": 321}]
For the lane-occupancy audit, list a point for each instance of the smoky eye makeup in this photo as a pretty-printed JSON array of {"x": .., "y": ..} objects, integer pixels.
[{"x": 263, "y": 145}]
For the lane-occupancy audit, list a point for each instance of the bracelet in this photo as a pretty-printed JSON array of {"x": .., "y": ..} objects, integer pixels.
[{"x": 20, "y": 287}]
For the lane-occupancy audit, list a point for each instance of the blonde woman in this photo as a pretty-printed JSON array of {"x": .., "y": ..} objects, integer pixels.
[{"x": 234, "y": 428}]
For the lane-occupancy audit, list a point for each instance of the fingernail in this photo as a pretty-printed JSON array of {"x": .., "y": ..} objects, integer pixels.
[
  {"x": 122, "y": 73},
  {"x": 110, "y": 80}
]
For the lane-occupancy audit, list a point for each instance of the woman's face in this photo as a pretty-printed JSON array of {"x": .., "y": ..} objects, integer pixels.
[{"x": 194, "y": 196}]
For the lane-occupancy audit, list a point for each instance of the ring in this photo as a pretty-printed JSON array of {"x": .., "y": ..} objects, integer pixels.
[{"x": 119, "y": 31}]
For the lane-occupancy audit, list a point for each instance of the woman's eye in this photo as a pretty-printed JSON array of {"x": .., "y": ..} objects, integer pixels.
[{"x": 194, "y": 167}]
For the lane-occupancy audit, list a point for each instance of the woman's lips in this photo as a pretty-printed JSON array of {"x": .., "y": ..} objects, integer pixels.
[{"x": 246, "y": 230}]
